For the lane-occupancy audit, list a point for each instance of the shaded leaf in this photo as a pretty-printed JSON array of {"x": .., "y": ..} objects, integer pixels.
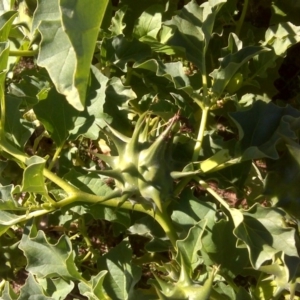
[
  {"x": 17, "y": 129},
  {"x": 122, "y": 275},
  {"x": 282, "y": 181},
  {"x": 264, "y": 234},
  {"x": 190, "y": 246},
  {"x": 120, "y": 51},
  {"x": 195, "y": 27},
  {"x": 262, "y": 127}
]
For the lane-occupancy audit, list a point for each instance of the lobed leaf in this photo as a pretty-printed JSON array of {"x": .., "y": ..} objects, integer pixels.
[{"x": 48, "y": 260}]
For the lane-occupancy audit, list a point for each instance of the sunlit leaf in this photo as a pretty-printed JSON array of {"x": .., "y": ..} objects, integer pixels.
[{"x": 48, "y": 260}]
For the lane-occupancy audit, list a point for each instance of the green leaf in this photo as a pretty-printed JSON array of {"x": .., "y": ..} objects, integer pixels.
[
  {"x": 190, "y": 246},
  {"x": 262, "y": 127},
  {"x": 56, "y": 115},
  {"x": 149, "y": 23},
  {"x": 32, "y": 290},
  {"x": 117, "y": 24},
  {"x": 195, "y": 27},
  {"x": 119, "y": 51},
  {"x": 33, "y": 180},
  {"x": 263, "y": 233},
  {"x": 282, "y": 181},
  {"x": 8, "y": 293},
  {"x": 134, "y": 10},
  {"x": 174, "y": 72},
  {"x": 122, "y": 275},
  {"x": 87, "y": 122},
  {"x": 93, "y": 289},
  {"x": 17, "y": 129},
  {"x": 6, "y": 21},
  {"x": 230, "y": 64},
  {"x": 281, "y": 36},
  {"x": 68, "y": 44},
  {"x": 56, "y": 288},
  {"x": 81, "y": 22},
  {"x": 48, "y": 260}
]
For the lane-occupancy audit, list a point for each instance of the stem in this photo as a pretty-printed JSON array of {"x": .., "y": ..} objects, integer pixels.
[
  {"x": 242, "y": 18},
  {"x": 161, "y": 217},
  {"x": 200, "y": 136},
  {"x": 2, "y": 101},
  {"x": 23, "y": 52},
  {"x": 55, "y": 156}
]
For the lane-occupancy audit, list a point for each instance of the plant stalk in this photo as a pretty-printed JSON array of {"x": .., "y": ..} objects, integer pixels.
[
  {"x": 242, "y": 18},
  {"x": 26, "y": 53},
  {"x": 201, "y": 132}
]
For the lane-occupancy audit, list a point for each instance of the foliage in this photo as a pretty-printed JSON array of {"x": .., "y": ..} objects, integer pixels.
[{"x": 144, "y": 152}]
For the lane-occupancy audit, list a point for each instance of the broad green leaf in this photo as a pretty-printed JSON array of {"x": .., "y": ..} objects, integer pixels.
[
  {"x": 81, "y": 21},
  {"x": 7, "y": 220},
  {"x": 195, "y": 27},
  {"x": 87, "y": 122},
  {"x": 230, "y": 64},
  {"x": 264, "y": 234},
  {"x": 17, "y": 129},
  {"x": 32, "y": 290},
  {"x": 262, "y": 127},
  {"x": 56, "y": 288},
  {"x": 190, "y": 211},
  {"x": 67, "y": 45},
  {"x": 282, "y": 181},
  {"x": 58, "y": 57},
  {"x": 33, "y": 179},
  {"x": 116, "y": 105},
  {"x": 93, "y": 289},
  {"x": 189, "y": 247},
  {"x": 57, "y": 116},
  {"x": 8, "y": 293},
  {"x": 174, "y": 72},
  {"x": 6, "y": 21},
  {"x": 134, "y": 10},
  {"x": 7, "y": 202},
  {"x": 219, "y": 245},
  {"x": 119, "y": 51},
  {"x": 48, "y": 260},
  {"x": 149, "y": 23},
  {"x": 122, "y": 275},
  {"x": 45, "y": 11}
]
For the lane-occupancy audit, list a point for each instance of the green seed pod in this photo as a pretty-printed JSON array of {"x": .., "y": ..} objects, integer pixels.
[
  {"x": 235, "y": 83},
  {"x": 142, "y": 169}
]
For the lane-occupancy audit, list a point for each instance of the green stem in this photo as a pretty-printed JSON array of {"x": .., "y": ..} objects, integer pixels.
[
  {"x": 242, "y": 18},
  {"x": 23, "y": 52},
  {"x": 201, "y": 132},
  {"x": 55, "y": 156},
  {"x": 2, "y": 102}
]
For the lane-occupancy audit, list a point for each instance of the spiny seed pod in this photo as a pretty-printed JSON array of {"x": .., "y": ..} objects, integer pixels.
[{"x": 142, "y": 169}]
